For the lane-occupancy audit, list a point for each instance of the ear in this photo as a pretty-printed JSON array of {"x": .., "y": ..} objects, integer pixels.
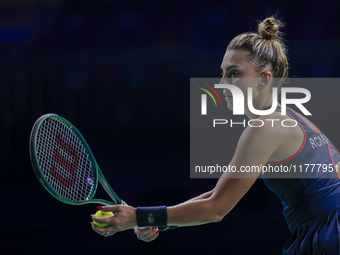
[{"x": 266, "y": 78}]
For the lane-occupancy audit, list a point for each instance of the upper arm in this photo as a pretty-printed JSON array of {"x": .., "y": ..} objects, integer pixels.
[{"x": 254, "y": 148}]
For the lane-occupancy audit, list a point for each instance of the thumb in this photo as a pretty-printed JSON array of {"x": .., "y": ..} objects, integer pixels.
[{"x": 109, "y": 208}]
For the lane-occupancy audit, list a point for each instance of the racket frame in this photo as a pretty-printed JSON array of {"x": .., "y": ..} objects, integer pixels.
[{"x": 97, "y": 172}]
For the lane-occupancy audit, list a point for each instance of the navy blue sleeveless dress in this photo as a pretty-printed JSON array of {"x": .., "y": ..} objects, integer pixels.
[{"x": 311, "y": 200}]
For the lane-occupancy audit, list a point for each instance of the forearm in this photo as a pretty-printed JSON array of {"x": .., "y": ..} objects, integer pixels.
[
  {"x": 202, "y": 196},
  {"x": 195, "y": 212}
]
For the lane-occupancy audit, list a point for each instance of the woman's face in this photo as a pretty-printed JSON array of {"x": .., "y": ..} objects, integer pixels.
[{"x": 239, "y": 71}]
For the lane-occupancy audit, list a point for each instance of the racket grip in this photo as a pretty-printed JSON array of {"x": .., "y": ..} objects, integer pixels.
[
  {"x": 124, "y": 203},
  {"x": 142, "y": 227}
]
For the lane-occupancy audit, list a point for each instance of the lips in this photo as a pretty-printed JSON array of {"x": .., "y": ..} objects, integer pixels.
[{"x": 228, "y": 97}]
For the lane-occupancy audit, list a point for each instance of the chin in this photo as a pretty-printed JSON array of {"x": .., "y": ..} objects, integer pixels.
[{"x": 230, "y": 106}]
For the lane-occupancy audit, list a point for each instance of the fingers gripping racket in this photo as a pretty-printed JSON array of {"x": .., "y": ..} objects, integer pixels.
[{"x": 64, "y": 164}]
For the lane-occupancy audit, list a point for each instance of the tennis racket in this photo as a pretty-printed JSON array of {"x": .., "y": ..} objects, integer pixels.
[{"x": 64, "y": 164}]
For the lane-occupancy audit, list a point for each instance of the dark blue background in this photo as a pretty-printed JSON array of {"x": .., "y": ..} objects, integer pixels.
[{"x": 120, "y": 71}]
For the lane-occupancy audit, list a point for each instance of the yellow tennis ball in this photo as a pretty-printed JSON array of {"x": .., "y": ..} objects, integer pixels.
[{"x": 101, "y": 214}]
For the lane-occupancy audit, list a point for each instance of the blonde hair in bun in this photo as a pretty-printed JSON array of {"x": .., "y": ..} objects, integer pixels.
[
  {"x": 270, "y": 28},
  {"x": 266, "y": 49}
]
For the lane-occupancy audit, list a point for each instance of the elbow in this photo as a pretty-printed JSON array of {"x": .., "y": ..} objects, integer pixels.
[
  {"x": 217, "y": 217},
  {"x": 218, "y": 212}
]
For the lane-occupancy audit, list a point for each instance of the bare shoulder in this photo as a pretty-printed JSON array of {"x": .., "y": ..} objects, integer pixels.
[
  {"x": 258, "y": 141},
  {"x": 266, "y": 128},
  {"x": 279, "y": 134},
  {"x": 272, "y": 136}
]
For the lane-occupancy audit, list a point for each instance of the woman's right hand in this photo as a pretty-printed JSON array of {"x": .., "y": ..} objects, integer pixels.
[{"x": 147, "y": 234}]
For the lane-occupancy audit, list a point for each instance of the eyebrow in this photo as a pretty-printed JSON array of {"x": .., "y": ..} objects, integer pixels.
[{"x": 229, "y": 67}]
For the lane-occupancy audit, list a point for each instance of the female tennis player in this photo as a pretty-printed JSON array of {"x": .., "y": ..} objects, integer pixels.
[{"x": 311, "y": 205}]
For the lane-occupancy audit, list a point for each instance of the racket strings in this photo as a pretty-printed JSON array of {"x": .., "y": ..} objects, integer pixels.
[{"x": 64, "y": 161}]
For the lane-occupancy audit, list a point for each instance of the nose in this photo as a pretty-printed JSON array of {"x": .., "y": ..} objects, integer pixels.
[{"x": 224, "y": 80}]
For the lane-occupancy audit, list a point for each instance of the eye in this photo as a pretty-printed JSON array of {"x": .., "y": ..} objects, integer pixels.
[{"x": 234, "y": 73}]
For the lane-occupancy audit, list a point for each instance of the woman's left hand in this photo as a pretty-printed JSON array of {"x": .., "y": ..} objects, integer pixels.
[{"x": 124, "y": 218}]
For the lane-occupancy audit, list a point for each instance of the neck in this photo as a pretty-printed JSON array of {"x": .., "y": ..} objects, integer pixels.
[{"x": 251, "y": 115}]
